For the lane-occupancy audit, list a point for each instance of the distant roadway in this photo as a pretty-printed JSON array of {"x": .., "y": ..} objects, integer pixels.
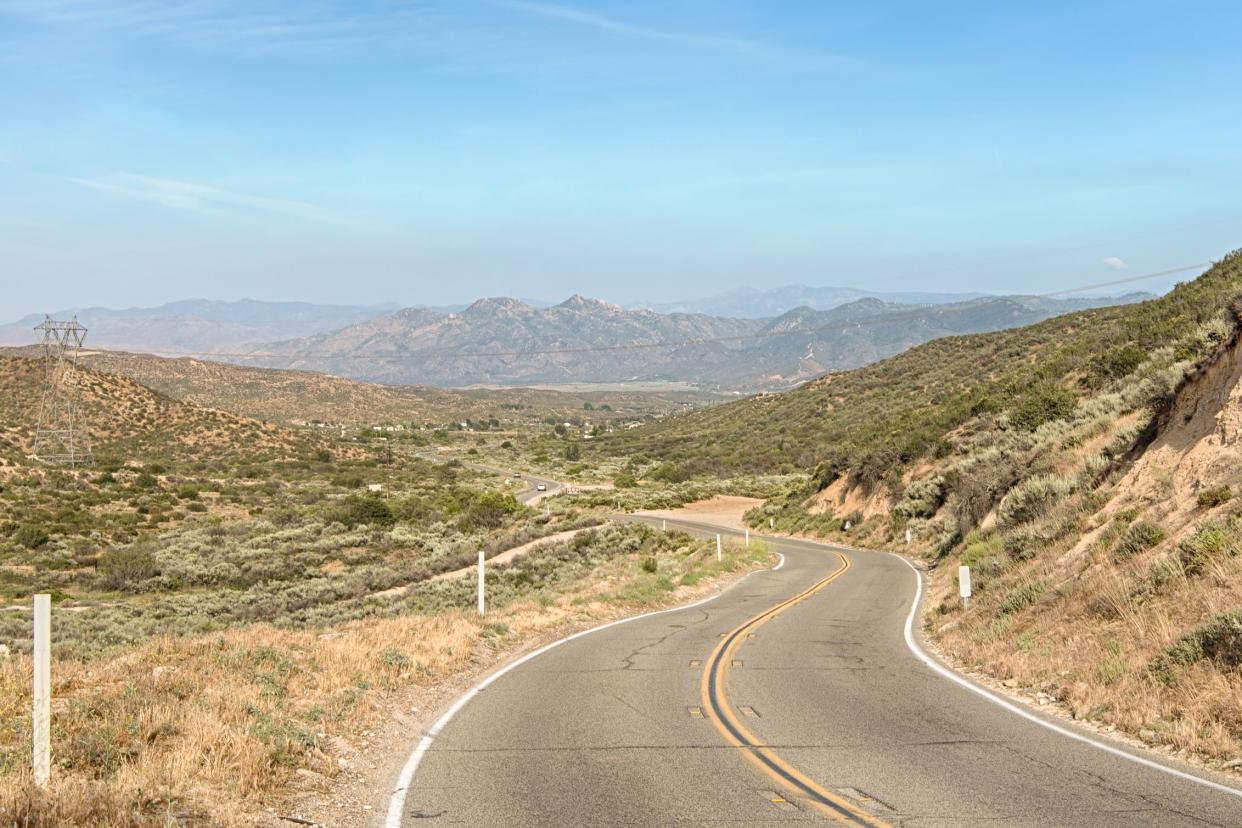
[
  {"x": 793, "y": 697},
  {"x": 529, "y": 496}
]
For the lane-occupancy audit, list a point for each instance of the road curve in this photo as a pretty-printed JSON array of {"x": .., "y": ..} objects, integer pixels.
[{"x": 811, "y": 669}]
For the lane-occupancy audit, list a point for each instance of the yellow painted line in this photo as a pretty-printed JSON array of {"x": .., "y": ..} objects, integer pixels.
[{"x": 716, "y": 707}]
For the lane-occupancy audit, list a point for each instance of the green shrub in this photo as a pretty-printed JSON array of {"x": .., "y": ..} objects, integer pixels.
[
  {"x": 1043, "y": 405},
  {"x": 487, "y": 511},
  {"x": 31, "y": 537},
  {"x": 1032, "y": 499},
  {"x": 1120, "y": 361},
  {"x": 624, "y": 481},
  {"x": 1022, "y": 597},
  {"x": 1210, "y": 498},
  {"x": 356, "y": 510},
  {"x": 1208, "y": 542},
  {"x": 187, "y": 492},
  {"x": 649, "y": 564},
  {"x": 1139, "y": 537},
  {"x": 922, "y": 498},
  {"x": 126, "y": 568},
  {"x": 1219, "y": 640}
]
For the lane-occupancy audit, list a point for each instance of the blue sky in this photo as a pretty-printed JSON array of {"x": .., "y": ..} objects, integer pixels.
[{"x": 433, "y": 151}]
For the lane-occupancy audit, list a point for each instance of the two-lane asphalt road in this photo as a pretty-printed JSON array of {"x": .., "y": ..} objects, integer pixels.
[{"x": 794, "y": 696}]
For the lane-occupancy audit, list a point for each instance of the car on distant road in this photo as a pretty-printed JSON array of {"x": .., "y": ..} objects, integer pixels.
[{"x": 541, "y": 488}]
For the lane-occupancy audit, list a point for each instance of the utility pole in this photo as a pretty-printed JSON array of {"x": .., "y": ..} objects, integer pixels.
[{"x": 57, "y": 438}]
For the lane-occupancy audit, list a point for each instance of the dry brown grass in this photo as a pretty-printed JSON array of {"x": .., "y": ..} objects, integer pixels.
[
  {"x": 211, "y": 730},
  {"x": 1090, "y": 641}
]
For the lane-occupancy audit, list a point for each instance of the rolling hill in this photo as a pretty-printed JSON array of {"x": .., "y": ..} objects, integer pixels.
[{"x": 128, "y": 422}]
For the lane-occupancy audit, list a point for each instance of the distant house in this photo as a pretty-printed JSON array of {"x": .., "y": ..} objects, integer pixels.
[{"x": 375, "y": 487}]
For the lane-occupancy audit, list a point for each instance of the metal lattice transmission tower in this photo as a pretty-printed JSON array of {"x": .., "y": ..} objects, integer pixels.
[{"x": 59, "y": 438}]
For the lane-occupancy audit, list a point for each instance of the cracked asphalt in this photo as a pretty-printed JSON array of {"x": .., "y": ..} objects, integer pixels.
[{"x": 602, "y": 730}]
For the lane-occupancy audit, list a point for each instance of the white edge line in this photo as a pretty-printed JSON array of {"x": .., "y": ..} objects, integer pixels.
[
  {"x": 397, "y": 804},
  {"x": 779, "y": 565},
  {"x": 1028, "y": 715}
]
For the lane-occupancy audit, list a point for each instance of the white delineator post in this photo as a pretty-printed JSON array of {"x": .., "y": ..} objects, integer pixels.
[
  {"x": 481, "y": 605},
  {"x": 963, "y": 585},
  {"x": 718, "y": 547},
  {"x": 41, "y": 717},
  {"x": 908, "y": 537},
  {"x": 664, "y": 526},
  {"x": 771, "y": 523}
]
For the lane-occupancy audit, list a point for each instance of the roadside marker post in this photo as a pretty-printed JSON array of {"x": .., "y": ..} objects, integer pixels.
[
  {"x": 481, "y": 605},
  {"x": 718, "y": 547},
  {"x": 664, "y": 526},
  {"x": 963, "y": 585},
  {"x": 748, "y": 537},
  {"x": 771, "y": 523},
  {"x": 909, "y": 537},
  {"x": 41, "y": 718}
]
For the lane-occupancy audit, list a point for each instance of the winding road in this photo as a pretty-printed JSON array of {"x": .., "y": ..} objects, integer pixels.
[{"x": 797, "y": 695}]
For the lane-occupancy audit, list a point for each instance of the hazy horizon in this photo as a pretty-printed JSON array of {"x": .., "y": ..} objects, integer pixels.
[{"x": 436, "y": 152}]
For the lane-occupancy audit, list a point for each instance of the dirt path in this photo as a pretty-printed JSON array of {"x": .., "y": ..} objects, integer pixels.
[
  {"x": 725, "y": 510},
  {"x": 503, "y": 557},
  {"x": 510, "y": 554}
]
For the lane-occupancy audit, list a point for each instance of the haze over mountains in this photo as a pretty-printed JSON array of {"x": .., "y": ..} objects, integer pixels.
[
  {"x": 199, "y": 325},
  {"x": 505, "y": 341},
  {"x": 749, "y": 302}
]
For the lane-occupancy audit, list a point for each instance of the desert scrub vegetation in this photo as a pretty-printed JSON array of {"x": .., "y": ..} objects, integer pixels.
[
  {"x": 876, "y": 421},
  {"x": 211, "y": 728},
  {"x": 666, "y": 495}
]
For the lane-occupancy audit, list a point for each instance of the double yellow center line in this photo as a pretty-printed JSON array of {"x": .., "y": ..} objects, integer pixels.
[{"x": 717, "y": 708}]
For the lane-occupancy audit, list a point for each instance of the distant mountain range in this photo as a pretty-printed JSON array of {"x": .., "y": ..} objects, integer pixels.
[
  {"x": 508, "y": 342},
  {"x": 771, "y": 302},
  {"x": 199, "y": 325},
  {"x": 505, "y": 341}
]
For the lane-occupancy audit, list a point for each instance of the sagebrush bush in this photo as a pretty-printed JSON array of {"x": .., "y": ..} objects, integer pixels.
[
  {"x": 31, "y": 537},
  {"x": 126, "y": 568},
  {"x": 1032, "y": 499},
  {"x": 1140, "y": 537},
  {"x": 1219, "y": 640},
  {"x": 1211, "y": 498}
]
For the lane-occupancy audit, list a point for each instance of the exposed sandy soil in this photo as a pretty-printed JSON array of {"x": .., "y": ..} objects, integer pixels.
[
  {"x": 1199, "y": 446},
  {"x": 842, "y": 497},
  {"x": 725, "y": 510}
]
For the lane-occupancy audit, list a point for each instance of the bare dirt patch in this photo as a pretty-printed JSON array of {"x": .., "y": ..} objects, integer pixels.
[{"x": 724, "y": 510}]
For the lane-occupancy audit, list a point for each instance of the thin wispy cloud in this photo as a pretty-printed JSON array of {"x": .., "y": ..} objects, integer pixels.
[
  {"x": 255, "y": 27},
  {"x": 602, "y": 23},
  {"x": 1115, "y": 263},
  {"x": 200, "y": 198}
]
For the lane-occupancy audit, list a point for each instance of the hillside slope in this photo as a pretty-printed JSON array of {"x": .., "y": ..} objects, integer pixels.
[
  {"x": 127, "y": 421},
  {"x": 884, "y": 416},
  {"x": 1085, "y": 469}
]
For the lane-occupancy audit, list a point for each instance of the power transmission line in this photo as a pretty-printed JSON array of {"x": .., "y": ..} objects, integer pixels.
[{"x": 920, "y": 312}]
